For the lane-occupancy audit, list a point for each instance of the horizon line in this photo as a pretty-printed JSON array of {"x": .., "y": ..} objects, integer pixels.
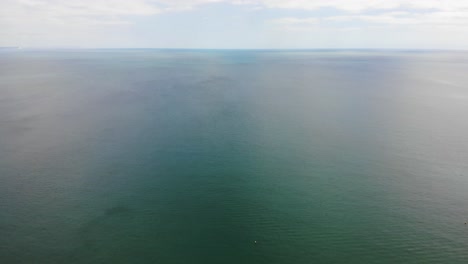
[{"x": 232, "y": 49}]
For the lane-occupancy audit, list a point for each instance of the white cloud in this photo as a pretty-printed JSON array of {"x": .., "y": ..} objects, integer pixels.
[
  {"x": 35, "y": 13},
  {"x": 69, "y": 17},
  {"x": 295, "y": 21},
  {"x": 150, "y": 7},
  {"x": 441, "y": 19},
  {"x": 296, "y": 24},
  {"x": 449, "y": 14},
  {"x": 114, "y": 10},
  {"x": 359, "y": 5}
]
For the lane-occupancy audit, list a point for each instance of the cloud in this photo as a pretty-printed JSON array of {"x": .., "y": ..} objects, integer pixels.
[
  {"x": 359, "y": 5},
  {"x": 444, "y": 19},
  {"x": 295, "y": 21},
  {"x": 112, "y": 11},
  {"x": 48, "y": 11},
  {"x": 449, "y": 14},
  {"x": 68, "y": 17},
  {"x": 35, "y": 13},
  {"x": 440, "y": 19},
  {"x": 296, "y": 24}
]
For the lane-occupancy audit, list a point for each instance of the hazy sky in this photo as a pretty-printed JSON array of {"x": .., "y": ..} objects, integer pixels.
[{"x": 422, "y": 24}]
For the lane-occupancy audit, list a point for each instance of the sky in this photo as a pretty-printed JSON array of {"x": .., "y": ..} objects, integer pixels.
[{"x": 235, "y": 24}]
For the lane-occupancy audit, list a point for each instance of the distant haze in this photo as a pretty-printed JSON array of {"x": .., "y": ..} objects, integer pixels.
[{"x": 236, "y": 24}]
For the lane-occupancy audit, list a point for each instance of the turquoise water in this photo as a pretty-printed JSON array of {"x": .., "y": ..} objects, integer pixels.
[{"x": 153, "y": 156}]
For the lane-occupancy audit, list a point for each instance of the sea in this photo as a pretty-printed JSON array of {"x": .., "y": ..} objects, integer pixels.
[{"x": 233, "y": 156}]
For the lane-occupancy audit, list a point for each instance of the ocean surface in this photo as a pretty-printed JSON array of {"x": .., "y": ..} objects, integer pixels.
[{"x": 185, "y": 156}]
